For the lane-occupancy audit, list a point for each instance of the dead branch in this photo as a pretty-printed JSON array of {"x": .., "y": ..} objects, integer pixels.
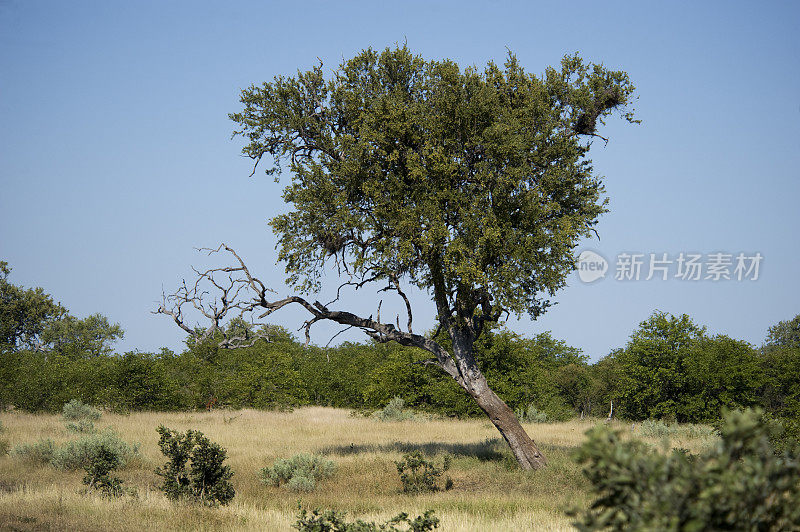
[{"x": 239, "y": 294}]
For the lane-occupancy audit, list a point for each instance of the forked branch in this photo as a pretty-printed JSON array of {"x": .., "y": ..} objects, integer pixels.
[{"x": 239, "y": 294}]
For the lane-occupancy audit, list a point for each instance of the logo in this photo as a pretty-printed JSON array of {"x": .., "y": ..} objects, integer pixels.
[{"x": 591, "y": 266}]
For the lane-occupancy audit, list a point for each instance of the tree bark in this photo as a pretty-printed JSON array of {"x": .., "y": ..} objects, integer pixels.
[{"x": 525, "y": 450}]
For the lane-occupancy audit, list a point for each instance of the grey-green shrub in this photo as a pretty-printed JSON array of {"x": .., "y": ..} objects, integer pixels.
[
  {"x": 395, "y": 411},
  {"x": 83, "y": 426},
  {"x": 531, "y": 415},
  {"x": 301, "y": 483},
  {"x": 77, "y": 454},
  {"x": 40, "y": 452},
  {"x": 76, "y": 410},
  {"x": 656, "y": 428},
  {"x": 738, "y": 483},
  {"x": 299, "y": 473}
]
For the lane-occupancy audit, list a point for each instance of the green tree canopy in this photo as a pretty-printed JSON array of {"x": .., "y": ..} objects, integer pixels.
[
  {"x": 785, "y": 334},
  {"x": 473, "y": 185},
  {"x": 30, "y": 319},
  {"x": 24, "y": 313},
  {"x": 671, "y": 368}
]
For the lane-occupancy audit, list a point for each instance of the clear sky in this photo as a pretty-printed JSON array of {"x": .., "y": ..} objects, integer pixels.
[{"x": 116, "y": 158}]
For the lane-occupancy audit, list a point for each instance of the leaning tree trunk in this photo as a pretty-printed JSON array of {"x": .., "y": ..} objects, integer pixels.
[{"x": 525, "y": 451}]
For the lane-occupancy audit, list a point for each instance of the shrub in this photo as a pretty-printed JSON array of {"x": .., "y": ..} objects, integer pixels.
[
  {"x": 394, "y": 411},
  {"x": 98, "y": 472},
  {"x": 40, "y": 452},
  {"x": 656, "y": 428},
  {"x": 531, "y": 415},
  {"x": 80, "y": 453},
  {"x": 331, "y": 520},
  {"x": 785, "y": 434},
  {"x": 420, "y": 475},
  {"x": 83, "y": 425},
  {"x": 206, "y": 479},
  {"x": 299, "y": 473},
  {"x": 75, "y": 410},
  {"x": 4, "y": 446},
  {"x": 739, "y": 483}
]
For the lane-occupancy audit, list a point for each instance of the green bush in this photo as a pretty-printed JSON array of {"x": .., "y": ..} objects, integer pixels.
[
  {"x": 333, "y": 521},
  {"x": 40, "y": 452},
  {"x": 785, "y": 436},
  {"x": 80, "y": 453},
  {"x": 394, "y": 411},
  {"x": 420, "y": 475},
  {"x": 98, "y": 472},
  {"x": 299, "y": 473},
  {"x": 75, "y": 410},
  {"x": 739, "y": 483},
  {"x": 194, "y": 469}
]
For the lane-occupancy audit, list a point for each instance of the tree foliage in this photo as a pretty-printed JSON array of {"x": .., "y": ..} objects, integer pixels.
[
  {"x": 24, "y": 313},
  {"x": 403, "y": 167},
  {"x": 738, "y": 484},
  {"x": 30, "y": 319},
  {"x": 194, "y": 469},
  {"x": 672, "y": 369}
]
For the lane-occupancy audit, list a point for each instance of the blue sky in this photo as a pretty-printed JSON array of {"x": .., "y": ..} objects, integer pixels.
[{"x": 116, "y": 158}]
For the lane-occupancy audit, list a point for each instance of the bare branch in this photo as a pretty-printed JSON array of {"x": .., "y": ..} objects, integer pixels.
[{"x": 233, "y": 301}]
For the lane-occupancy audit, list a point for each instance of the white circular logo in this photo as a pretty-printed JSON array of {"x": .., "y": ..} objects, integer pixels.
[{"x": 591, "y": 266}]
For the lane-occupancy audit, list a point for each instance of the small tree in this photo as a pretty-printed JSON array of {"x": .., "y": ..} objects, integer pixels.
[
  {"x": 473, "y": 186},
  {"x": 98, "y": 472},
  {"x": 419, "y": 475},
  {"x": 205, "y": 480}
]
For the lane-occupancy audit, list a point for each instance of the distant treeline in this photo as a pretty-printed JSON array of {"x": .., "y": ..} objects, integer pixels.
[{"x": 670, "y": 369}]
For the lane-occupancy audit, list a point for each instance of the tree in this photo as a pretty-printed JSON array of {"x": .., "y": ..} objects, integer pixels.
[
  {"x": 24, "y": 313},
  {"x": 472, "y": 185},
  {"x": 672, "y": 369},
  {"x": 30, "y": 319},
  {"x": 784, "y": 334},
  {"x": 780, "y": 357},
  {"x": 653, "y": 364}
]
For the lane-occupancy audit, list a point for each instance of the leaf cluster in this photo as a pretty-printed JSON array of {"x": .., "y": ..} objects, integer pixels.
[
  {"x": 419, "y": 475},
  {"x": 194, "y": 469},
  {"x": 299, "y": 473},
  {"x": 333, "y": 521},
  {"x": 738, "y": 484}
]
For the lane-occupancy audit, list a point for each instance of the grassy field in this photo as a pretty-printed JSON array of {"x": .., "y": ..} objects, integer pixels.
[{"x": 488, "y": 493}]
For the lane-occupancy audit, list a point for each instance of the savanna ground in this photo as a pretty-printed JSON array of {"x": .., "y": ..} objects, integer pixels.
[{"x": 488, "y": 493}]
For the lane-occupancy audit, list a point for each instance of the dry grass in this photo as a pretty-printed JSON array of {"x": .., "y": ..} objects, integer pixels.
[{"x": 488, "y": 494}]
